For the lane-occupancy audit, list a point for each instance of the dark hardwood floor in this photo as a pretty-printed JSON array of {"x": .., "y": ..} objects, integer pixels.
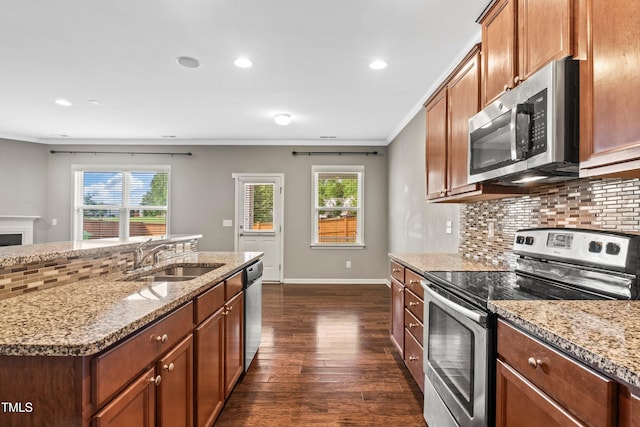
[{"x": 325, "y": 360}]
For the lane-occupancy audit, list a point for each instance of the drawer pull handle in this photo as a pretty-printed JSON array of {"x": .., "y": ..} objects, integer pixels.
[
  {"x": 414, "y": 282},
  {"x": 169, "y": 367},
  {"x": 396, "y": 270},
  {"x": 413, "y": 325},
  {"x": 534, "y": 363},
  {"x": 160, "y": 338},
  {"x": 413, "y": 358},
  {"x": 412, "y": 303},
  {"x": 155, "y": 380}
]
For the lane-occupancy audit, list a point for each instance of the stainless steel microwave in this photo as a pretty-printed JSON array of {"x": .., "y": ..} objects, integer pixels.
[{"x": 529, "y": 134}]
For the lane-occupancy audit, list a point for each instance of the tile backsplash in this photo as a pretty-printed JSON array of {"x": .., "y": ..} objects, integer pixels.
[{"x": 604, "y": 204}]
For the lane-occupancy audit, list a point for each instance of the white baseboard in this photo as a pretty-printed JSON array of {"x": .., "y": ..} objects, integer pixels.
[{"x": 337, "y": 281}]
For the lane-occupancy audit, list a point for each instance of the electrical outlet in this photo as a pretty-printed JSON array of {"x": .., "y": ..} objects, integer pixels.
[
  {"x": 54, "y": 221},
  {"x": 348, "y": 264},
  {"x": 447, "y": 227}
]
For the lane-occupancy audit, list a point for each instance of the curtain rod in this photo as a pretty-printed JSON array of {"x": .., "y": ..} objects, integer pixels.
[
  {"x": 118, "y": 152},
  {"x": 334, "y": 153}
]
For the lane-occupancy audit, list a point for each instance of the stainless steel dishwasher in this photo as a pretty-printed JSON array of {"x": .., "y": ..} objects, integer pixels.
[{"x": 252, "y": 311}]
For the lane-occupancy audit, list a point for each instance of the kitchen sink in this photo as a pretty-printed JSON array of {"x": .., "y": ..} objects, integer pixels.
[{"x": 177, "y": 273}]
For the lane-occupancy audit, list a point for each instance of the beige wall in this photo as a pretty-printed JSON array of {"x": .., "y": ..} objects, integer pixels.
[
  {"x": 414, "y": 224},
  {"x": 202, "y": 196}
]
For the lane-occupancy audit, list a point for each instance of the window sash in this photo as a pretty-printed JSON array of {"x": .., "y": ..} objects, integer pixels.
[
  {"x": 130, "y": 204},
  {"x": 338, "y": 172}
]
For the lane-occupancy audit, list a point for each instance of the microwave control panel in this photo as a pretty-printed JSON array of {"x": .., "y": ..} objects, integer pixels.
[{"x": 538, "y": 127}]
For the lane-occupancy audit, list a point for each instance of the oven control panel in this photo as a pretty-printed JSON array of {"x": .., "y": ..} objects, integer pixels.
[{"x": 587, "y": 247}]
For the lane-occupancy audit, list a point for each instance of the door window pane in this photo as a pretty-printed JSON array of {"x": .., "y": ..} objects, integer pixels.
[{"x": 258, "y": 207}]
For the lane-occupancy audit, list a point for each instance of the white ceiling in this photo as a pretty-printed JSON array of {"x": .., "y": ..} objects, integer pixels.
[{"x": 310, "y": 60}]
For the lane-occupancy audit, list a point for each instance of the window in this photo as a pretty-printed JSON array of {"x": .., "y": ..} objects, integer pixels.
[
  {"x": 258, "y": 207},
  {"x": 120, "y": 202},
  {"x": 337, "y": 206}
]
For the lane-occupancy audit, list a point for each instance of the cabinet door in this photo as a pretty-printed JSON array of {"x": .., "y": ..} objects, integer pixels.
[
  {"x": 464, "y": 102},
  {"x": 397, "y": 316},
  {"x": 609, "y": 84},
  {"x": 436, "y": 150},
  {"x": 134, "y": 407},
  {"x": 413, "y": 358},
  {"x": 520, "y": 403},
  {"x": 175, "y": 393},
  {"x": 209, "y": 369},
  {"x": 628, "y": 408},
  {"x": 544, "y": 34},
  {"x": 498, "y": 50},
  {"x": 233, "y": 340}
]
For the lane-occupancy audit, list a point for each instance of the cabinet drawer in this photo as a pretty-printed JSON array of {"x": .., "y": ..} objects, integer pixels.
[
  {"x": 414, "y": 304},
  {"x": 582, "y": 391},
  {"x": 413, "y": 325},
  {"x": 397, "y": 271},
  {"x": 209, "y": 302},
  {"x": 114, "y": 369},
  {"x": 413, "y": 354},
  {"x": 413, "y": 282},
  {"x": 232, "y": 285}
]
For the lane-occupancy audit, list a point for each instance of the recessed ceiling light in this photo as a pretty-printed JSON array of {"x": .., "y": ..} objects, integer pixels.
[
  {"x": 243, "y": 63},
  {"x": 378, "y": 65},
  {"x": 63, "y": 102},
  {"x": 168, "y": 136},
  {"x": 188, "y": 62},
  {"x": 282, "y": 119},
  {"x": 94, "y": 102}
]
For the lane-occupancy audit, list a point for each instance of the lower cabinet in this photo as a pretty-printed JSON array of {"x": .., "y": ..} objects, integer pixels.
[
  {"x": 538, "y": 386},
  {"x": 165, "y": 390},
  {"x": 628, "y": 407},
  {"x": 397, "y": 316},
  {"x": 233, "y": 342},
  {"x": 209, "y": 361},
  {"x": 136, "y": 406}
]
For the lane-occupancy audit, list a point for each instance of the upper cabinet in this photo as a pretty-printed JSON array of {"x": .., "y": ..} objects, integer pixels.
[
  {"x": 609, "y": 88},
  {"x": 521, "y": 36},
  {"x": 447, "y": 146}
]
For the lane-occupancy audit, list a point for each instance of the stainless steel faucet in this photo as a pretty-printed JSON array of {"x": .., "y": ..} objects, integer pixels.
[{"x": 139, "y": 257}]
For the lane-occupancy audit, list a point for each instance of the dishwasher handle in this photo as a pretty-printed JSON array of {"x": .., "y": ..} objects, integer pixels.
[{"x": 473, "y": 315}]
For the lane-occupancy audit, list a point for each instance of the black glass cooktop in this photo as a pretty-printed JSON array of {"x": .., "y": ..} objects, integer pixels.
[{"x": 481, "y": 287}]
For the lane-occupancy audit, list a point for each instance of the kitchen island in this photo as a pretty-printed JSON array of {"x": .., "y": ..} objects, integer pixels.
[{"x": 111, "y": 347}]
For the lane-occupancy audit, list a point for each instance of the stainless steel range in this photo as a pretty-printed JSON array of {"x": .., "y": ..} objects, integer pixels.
[{"x": 459, "y": 333}]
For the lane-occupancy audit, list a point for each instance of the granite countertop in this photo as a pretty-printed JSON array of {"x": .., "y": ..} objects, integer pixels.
[
  {"x": 86, "y": 317},
  {"x": 429, "y": 262},
  {"x": 601, "y": 334}
]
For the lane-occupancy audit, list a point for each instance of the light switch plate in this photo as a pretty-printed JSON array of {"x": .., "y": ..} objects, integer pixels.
[{"x": 227, "y": 223}]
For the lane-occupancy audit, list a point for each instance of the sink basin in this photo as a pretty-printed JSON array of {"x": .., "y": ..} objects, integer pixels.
[
  {"x": 177, "y": 273},
  {"x": 186, "y": 271}
]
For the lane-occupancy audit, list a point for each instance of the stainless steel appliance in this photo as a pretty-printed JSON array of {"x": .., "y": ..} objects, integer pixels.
[
  {"x": 252, "y": 311},
  {"x": 531, "y": 132},
  {"x": 459, "y": 333}
]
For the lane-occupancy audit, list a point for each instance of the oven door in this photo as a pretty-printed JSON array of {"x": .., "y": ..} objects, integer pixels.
[{"x": 455, "y": 363}]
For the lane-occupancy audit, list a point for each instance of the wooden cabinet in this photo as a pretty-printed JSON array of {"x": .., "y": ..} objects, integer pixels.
[
  {"x": 609, "y": 82},
  {"x": 521, "y": 36},
  {"x": 135, "y": 406},
  {"x": 447, "y": 145},
  {"x": 536, "y": 385},
  {"x": 407, "y": 311},
  {"x": 233, "y": 341},
  {"x": 628, "y": 407},
  {"x": 219, "y": 348},
  {"x": 175, "y": 391},
  {"x": 397, "y": 307}
]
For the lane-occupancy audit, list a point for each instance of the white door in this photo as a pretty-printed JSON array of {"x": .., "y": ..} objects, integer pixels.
[{"x": 258, "y": 225}]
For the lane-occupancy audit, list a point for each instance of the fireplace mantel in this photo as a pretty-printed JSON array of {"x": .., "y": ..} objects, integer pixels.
[{"x": 18, "y": 224}]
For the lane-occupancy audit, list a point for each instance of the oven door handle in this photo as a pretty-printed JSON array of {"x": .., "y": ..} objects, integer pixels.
[{"x": 476, "y": 316}]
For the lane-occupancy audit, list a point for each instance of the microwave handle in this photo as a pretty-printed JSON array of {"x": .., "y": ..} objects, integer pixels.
[{"x": 520, "y": 118}]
